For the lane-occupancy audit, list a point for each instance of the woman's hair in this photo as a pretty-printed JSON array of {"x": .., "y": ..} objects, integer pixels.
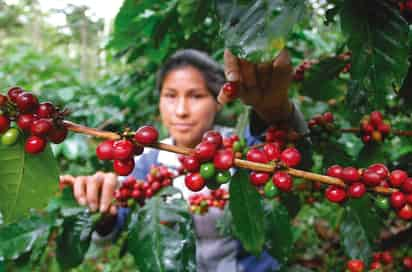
[{"x": 211, "y": 70}]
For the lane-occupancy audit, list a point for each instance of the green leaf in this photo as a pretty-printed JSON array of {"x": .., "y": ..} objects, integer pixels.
[
  {"x": 359, "y": 228},
  {"x": 258, "y": 30},
  {"x": 335, "y": 153},
  {"x": 161, "y": 236},
  {"x": 371, "y": 153},
  {"x": 27, "y": 181},
  {"x": 21, "y": 237},
  {"x": 74, "y": 241},
  {"x": 321, "y": 79},
  {"x": 247, "y": 212},
  {"x": 379, "y": 44},
  {"x": 279, "y": 232}
]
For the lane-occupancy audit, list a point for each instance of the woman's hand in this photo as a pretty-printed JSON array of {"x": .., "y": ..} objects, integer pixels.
[
  {"x": 263, "y": 86},
  {"x": 95, "y": 191}
]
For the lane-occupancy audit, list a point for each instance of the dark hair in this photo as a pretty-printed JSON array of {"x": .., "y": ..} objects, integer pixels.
[{"x": 211, "y": 70}]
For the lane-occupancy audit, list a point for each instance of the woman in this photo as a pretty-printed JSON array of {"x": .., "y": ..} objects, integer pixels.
[{"x": 189, "y": 85}]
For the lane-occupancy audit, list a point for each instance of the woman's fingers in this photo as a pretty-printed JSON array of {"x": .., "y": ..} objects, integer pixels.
[
  {"x": 108, "y": 189},
  {"x": 79, "y": 189},
  {"x": 94, "y": 183},
  {"x": 232, "y": 70}
]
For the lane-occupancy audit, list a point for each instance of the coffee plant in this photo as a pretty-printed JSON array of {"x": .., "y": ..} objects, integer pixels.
[{"x": 351, "y": 169}]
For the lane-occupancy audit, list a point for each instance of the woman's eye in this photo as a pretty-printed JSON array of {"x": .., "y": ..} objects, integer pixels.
[
  {"x": 197, "y": 96},
  {"x": 169, "y": 95}
]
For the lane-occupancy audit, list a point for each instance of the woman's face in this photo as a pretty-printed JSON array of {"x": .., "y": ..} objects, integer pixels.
[{"x": 187, "y": 108}]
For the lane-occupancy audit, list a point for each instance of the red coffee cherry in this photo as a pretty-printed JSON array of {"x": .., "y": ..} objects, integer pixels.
[
  {"x": 350, "y": 174},
  {"x": 146, "y": 135},
  {"x": 335, "y": 194},
  {"x": 397, "y": 178},
  {"x": 283, "y": 181},
  {"x": 41, "y": 127},
  {"x": 380, "y": 169},
  {"x": 407, "y": 186},
  {"x": 356, "y": 190},
  {"x": 335, "y": 171},
  {"x": 14, "y": 92},
  {"x": 46, "y": 110},
  {"x": 405, "y": 212},
  {"x": 24, "y": 121},
  {"x": 256, "y": 155},
  {"x": 123, "y": 150},
  {"x": 123, "y": 168},
  {"x": 4, "y": 123},
  {"x": 386, "y": 257},
  {"x": 194, "y": 182},
  {"x": 258, "y": 178},
  {"x": 213, "y": 137},
  {"x": 408, "y": 199},
  {"x": 191, "y": 164},
  {"x": 328, "y": 117},
  {"x": 204, "y": 151},
  {"x": 27, "y": 102},
  {"x": 230, "y": 89},
  {"x": 371, "y": 178},
  {"x": 224, "y": 159},
  {"x": 272, "y": 150},
  {"x": 376, "y": 118},
  {"x": 384, "y": 128},
  {"x": 34, "y": 145},
  {"x": 375, "y": 265},
  {"x": 355, "y": 266},
  {"x": 58, "y": 134},
  {"x": 291, "y": 157},
  {"x": 104, "y": 150},
  {"x": 398, "y": 200},
  {"x": 407, "y": 262}
]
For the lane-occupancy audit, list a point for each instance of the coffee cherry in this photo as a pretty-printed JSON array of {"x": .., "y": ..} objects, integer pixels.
[
  {"x": 377, "y": 136},
  {"x": 14, "y": 92},
  {"x": 123, "y": 168},
  {"x": 375, "y": 265},
  {"x": 207, "y": 170},
  {"x": 356, "y": 190},
  {"x": 104, "y": 150},
  {"x": 384, "y": 128},
  {"x": 224, "y": 159},
  {"x": 57, "y": 134},
  {"x": 27, "y": 102},
  {"x": 272, "y": 151},
  {"x": 24, "y": 121},
  {"x": 46, "y": 110},
  {"x": 366, "y": 138},
  {"x": 213, "y": 137},
  {"x": 382, "y": 203},
  {"x": 136, "y": 194},
  {"x": 123, "y": 150},
  {"x": 407, "y": 186},
  {"x": 335, "y": 171},
  {"x": 376, "y": 118},
  {"x": 270, "y": 190},
  {"x": 371, "y": 178},
  {"x": 258, "y": 178},
  {"x": 386, "y": 257},
  {"x": 10, "y": 136},
  {"x": 4, "y": 123},
  {"x": 408, "y": 198},
  {"x": 146, "y": 135},
  {"x": 230, "y": 89},
  {"x": 41, "y": 127},
  {"x": 405, "y": 212},
  {"x": 407, "y": 262},
  {"x": 283, "y": 181},
  {"x": 350, "y": 174},
  {"x": 335, "y": 194},
  {"x": 223, "y": 177},
  {"x": 194, "y": 182},
  {"x": 291, "y": 157},
  {"x": 355, "y": 266},
  {"x": 397, "y": 178},
  {"x": 191, "y": 164},
  {"x": 256, "y": 155},
  {"x": 204, "y": 151},
  {"x": 397, "y": 200},
  {"x": 380, "y": 169},
  {"x": 35, "y": 145}
]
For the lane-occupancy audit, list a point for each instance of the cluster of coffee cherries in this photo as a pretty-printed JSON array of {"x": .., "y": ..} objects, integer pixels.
[
  {"x": 346, "y": 57},
  {"x": 299, "y": 74},
  {"x": 358, "y": 180},
  {"x": 200, "y": 203},
  {"x": 281, "y": 135},
  {"x": 373, "y": 128},
  {"x": 158, "y": 178},
  {"x": 382, "y": 261},
  {"x": 40, "y": 122},
  {"x": 322, "y": 127},
  {"x": 122, "y": 151}
]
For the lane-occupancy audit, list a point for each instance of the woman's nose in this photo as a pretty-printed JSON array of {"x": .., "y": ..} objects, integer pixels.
[{"x": 182, "y": 107}]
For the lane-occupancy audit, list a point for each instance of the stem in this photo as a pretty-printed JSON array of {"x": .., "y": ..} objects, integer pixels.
[{"x": 260, "y": 167}]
